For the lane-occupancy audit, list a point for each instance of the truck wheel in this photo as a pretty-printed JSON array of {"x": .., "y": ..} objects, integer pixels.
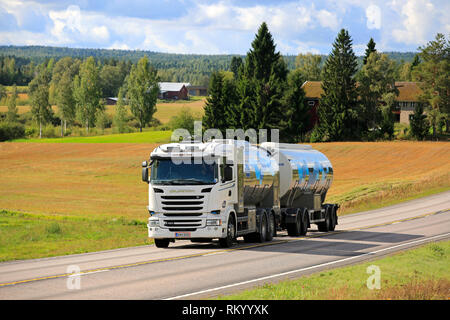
[
  {"x": 333, "y": 219},
  {"x": 162, "y": 243},
  {"x": 262, "y": 235},
  {"x": 270, "y": 227},
  {"x": 300, "y": 227},
  {"x": 227, "y": 242},
  {"x": 326, "y": 225},
  {"x": 304, "y": 223}
]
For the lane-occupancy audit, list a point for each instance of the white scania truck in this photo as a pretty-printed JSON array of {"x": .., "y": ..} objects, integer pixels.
[{"x": 226, "y": 189}]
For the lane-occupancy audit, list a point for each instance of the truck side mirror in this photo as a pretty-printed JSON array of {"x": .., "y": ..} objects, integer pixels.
[
  {"x": 145, "y": 174},
  {"x": 144, "y": 171},
  {"x": 227, "y": 173}
]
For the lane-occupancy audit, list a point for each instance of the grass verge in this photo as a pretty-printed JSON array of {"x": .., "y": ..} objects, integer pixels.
[
  {"x": 415, "y": 274},
  {"x": 135, "y": 137},
  {"x": 29, "y": 236}
]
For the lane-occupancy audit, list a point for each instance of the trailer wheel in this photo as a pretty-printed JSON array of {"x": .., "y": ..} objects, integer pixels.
[
  {"x": 326, "y": 225},
  {"x": 271, "y": 229},
  {"x": 162, "y": 243},
  {"x": 300, "y": 227},
  {"x": 304, "y": 223},
  {"x": 333, "y": 218},
  {"x": 227, "y": 242}
]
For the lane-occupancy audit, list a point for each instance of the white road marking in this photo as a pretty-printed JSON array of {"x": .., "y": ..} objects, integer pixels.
[{"x": 307, "y": 268}]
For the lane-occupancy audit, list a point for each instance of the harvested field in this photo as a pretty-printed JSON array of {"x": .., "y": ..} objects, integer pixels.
[
  {"x": 367, "y": 174},
  {"x": 74, "y": 179},
  {"x": 164, "y": 111}
]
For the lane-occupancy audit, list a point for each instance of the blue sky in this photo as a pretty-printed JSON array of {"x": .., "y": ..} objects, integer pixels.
[{"x": 222, "y": 27}]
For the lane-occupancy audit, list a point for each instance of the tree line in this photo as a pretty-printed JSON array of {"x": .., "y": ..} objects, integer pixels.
[
  {"x": 357, "y": 103},
  {"x": 17, "y": 63},
  {"x": 77, "y": 86}
]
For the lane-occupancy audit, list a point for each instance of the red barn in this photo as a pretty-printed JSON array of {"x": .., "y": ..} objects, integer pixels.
[{"x": 173, "y": 90}]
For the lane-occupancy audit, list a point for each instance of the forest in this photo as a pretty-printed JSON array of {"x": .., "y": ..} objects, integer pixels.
[{"x": 17, "y": 63}]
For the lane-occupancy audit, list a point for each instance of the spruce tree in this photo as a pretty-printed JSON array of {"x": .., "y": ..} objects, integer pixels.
[
  {"x": 338, "y": 108},
  {"x": 235, "y": 66},
  {"x": 262, "y": 84},
  {"x": 370, "y": 48},
  {"x": 297, "y": 111},
  {"x": 213, "y": 117}
]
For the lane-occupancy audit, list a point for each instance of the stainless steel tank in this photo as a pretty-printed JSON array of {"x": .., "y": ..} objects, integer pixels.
[
  {"x": 304, "y": 173},
  {"x": 260, "y": 171}
]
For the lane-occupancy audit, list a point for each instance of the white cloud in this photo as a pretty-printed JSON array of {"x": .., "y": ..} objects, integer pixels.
[
  {"x": 228, "y": 26},
  {"x": 71, "y": 25},
  {"x": 420, "y": 20},
  {"x": 328, "y": 19},
  {"x": 373, "y": 15}
]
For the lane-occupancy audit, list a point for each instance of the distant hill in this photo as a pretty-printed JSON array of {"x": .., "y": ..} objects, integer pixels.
[
  {"x": 17, "y": 63},
  {"x": 160, "y": 60}
]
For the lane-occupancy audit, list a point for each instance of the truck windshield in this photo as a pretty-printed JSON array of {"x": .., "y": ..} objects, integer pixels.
[{"x": 165, "y": 172}]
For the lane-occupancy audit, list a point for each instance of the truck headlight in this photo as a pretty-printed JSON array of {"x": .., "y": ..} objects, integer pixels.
[{"x": 213, "y": 222}]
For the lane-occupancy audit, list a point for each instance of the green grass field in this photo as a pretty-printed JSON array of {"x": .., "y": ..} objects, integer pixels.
[
  {"x": 25, "y": 236},
  {"x": 421, "y": 273},
  {"x": 135, "y": 137}
]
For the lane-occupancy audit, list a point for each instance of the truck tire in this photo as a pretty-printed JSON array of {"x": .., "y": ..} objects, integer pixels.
[
  {"x": 263, "y": 231},
  {"x": 304, "y": 223},
  {"x": 262, "y": 234},
  {"x": 333, "y": 218},
  {"x": 300, "y": 227},
  {"x": 271, "y": 229},
  {"x": 162, "y": 243},
  {"x": 326, "y": 225},
  {"x": 227, "y": 242}
]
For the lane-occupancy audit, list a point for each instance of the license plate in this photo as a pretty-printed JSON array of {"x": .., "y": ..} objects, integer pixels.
[{"x": 182, "y": 234}]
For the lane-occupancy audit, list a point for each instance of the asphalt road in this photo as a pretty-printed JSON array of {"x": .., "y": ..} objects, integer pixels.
[{"x": 191, "y": 271}]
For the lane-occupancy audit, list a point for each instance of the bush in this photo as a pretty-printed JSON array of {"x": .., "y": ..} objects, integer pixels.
[
  {"x": 183, "y": 120},
  {"x": 31, "y": 132},
  {"x": 9, "y": 131},
  {"x": 316, "y": 135},
  {"x": 49, "y": 131}
]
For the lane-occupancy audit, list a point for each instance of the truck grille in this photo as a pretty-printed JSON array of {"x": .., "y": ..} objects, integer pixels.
[
  {"x": 183, "y": 225},
  {"x": 182, "y": 203}
]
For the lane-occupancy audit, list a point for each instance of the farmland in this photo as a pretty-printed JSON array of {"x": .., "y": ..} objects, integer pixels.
[
  {"x": 100, "y": 182},
  {"x": 164, "y": 110}
]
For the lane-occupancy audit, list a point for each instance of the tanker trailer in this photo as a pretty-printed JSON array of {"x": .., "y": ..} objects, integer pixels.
[
  {"x": 305, "y": 177},
  {"x": 225, "y": 189}
]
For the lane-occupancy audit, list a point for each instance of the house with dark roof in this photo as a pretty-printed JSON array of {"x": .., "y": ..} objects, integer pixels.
[{"x": 406, "y": 100}]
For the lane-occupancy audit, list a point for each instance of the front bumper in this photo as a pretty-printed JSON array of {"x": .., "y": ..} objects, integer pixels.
[{"x": 161, "y": 231}]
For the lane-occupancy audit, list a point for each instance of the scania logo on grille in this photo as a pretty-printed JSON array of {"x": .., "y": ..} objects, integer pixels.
[{"x": 178, "y": 191}]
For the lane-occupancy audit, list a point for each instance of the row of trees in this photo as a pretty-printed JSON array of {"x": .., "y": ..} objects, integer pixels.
[
  {"x": 357, "y": 104},
  {"x": 75, "y": 87}
]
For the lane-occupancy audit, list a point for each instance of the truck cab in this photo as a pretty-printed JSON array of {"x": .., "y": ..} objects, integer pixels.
[{"x": 191, "y": 193}]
